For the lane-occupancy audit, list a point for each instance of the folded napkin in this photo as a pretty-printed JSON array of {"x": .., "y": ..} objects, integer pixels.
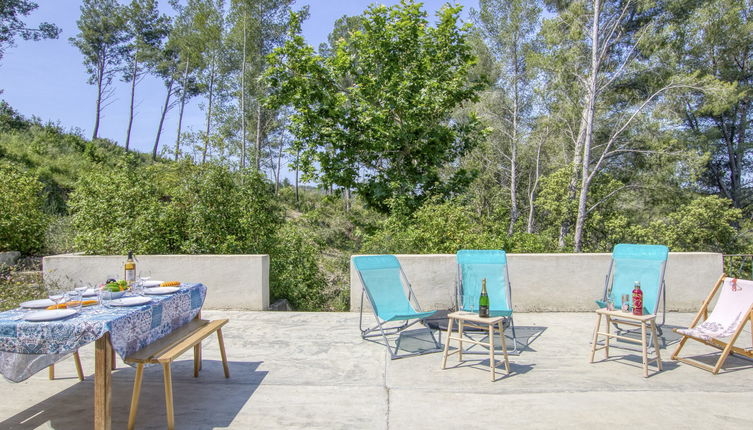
[
  {"x": 72, "y": 303},
  {"x": 170, "y": 284}
]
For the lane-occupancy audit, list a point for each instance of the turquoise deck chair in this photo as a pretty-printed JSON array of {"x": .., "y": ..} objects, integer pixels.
[
  {"x": 644, "y": 263},
  {"x": 385, "y": 284},
  {"x": 473, "y": 267}
]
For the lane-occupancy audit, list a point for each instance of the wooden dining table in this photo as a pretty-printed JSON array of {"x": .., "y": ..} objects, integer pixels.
[{"x": 28, "y": 347}]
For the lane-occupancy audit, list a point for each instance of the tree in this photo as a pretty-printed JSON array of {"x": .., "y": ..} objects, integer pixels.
[
  {"x": 598, "y": 44},
  {"x": 257, "y": 27},
  {"x": 146, "y": 28},
  {"x": 182, "y": 59},
  {"x": 101, "y": 41},
  {"x": 508, "y": 27},
  {"x": 388, "y": 133},
  {"x": 11, "y": 26},
  {"x": 715, "y": 39}
]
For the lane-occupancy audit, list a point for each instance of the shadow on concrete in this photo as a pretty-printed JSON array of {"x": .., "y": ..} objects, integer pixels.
[
  {"x": 209, "y": 401},
  {"x": 483, "y": 365}
]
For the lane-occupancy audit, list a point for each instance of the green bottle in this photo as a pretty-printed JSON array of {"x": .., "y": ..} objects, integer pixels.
[{"x": 483, "y": 301}]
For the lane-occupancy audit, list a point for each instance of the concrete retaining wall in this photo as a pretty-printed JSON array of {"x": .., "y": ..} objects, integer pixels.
[
  {"x": 553, "y": 282},
  {"x": 238, "y": 282}
]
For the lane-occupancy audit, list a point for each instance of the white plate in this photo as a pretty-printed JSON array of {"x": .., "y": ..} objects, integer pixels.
[
  {"x": 152, "y": 283},
  {"x": 91, "y": 292},
  {"x": 37, "y": 304},
  {"x": 50, "y": 315},
  {"x": 161, "y": 290},
  {"x": 131, "y": 301}
]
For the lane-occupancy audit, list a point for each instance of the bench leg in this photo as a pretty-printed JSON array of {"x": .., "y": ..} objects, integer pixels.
[
  {"x": 196, "y": 359},
  {"x": 222, "y": 353},
  {"x": 79, "y": 369},
  {"x": 135, "y": 396},
  {"x": 169, "y": 395}
]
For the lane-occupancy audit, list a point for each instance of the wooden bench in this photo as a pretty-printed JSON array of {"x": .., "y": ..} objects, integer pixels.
[{"x": 167, "y": 349}]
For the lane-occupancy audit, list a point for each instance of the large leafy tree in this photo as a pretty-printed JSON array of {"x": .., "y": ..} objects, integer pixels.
[
  {"x": 101, "y": 37},
  {"x": 11, "y": 25},
  {"x": 387, "y": 133}
]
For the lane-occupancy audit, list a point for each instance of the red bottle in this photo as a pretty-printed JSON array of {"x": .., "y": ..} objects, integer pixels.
[{"x": 637, "y": 299}]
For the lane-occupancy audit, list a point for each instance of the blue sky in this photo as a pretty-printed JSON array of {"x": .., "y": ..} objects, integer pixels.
[{"x": 47, "y": 79}]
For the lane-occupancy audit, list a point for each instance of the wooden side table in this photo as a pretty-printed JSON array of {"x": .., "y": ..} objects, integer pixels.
[
  {"x": 474, "y": 320},
  {"x": 645, "y": 322}
]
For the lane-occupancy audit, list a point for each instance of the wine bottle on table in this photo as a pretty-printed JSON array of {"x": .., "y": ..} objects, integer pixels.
[
  {"x": 130, "y": 269},
  {"x": 483, "y": 301}
]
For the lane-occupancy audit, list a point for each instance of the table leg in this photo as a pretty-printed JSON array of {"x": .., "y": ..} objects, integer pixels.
[
  {"x": 596, "y": 336},
  {"x": 461, "y": 330},
  {"x": 491, "y": 352},
  {"x": 656, "y": 345},
  {"x": 607, "y": 337},
  {"x": 447, "y": 342},
  {"x": 103, "y": 383},
  {"x": 645, "y": 349},
  {"x": 504, "y": 346}
]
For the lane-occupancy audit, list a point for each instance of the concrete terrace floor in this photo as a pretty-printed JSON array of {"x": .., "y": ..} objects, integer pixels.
[{"x": 313, "y": 370}]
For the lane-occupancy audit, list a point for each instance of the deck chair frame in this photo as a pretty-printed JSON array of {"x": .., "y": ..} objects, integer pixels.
[
  {"x": 382, "y": 329},
  {"x": 661, "y": 297},
  {"x": 727, "y": 348},
  {"x": 508, "y": 291}
]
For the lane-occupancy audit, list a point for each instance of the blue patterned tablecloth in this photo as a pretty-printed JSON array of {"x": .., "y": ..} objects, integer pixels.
[{"x": 28, "y": 347}]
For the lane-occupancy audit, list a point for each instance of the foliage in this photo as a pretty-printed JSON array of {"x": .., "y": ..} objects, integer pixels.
[
  {"x": 386, "y": 133},
  {"x": 11, "y": 12},
  {"x": 435, "y": 228},
  {"x": 704, "y": 224},
  {"x": 22, "y": 219},
  {"x": 295, "y": 274},
  {"x": 179, "y": 208}
]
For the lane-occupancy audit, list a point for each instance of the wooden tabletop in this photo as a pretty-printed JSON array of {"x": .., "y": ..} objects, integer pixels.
[
  {"x": 625, "y": 315},
  {"x": 473, "y": 317}
]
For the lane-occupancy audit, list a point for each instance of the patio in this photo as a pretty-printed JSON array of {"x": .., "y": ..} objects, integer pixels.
[{"x": 312, "y": 370}]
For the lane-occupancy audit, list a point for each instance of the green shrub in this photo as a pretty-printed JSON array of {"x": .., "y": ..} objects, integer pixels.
[
  {"x": 435, "y": 228},
  {"x": 294, "y": 272},
  {"x": 176, "y": 208},
  {"x": 22, "y": 220}
]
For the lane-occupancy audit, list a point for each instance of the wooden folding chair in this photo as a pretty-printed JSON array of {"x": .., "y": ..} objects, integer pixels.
[{"x": 732, "y": 312}]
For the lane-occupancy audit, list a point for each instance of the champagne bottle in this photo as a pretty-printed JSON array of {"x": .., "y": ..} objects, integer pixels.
[
  {"x": 483, "y": 301},
  {"x": 130, "y": 269}
]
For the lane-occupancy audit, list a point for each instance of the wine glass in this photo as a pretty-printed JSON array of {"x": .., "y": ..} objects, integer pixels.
[{"x": 57, "y": 294}]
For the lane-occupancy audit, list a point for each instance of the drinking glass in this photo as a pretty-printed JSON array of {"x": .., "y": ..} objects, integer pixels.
[
  {"x": 75, "y": 298},
  {"x": 104, "y": 305},
  {"x": 56, "y": 294}
]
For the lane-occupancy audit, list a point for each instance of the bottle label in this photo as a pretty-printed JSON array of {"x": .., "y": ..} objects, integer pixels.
[{"x": 483, "y": 311}]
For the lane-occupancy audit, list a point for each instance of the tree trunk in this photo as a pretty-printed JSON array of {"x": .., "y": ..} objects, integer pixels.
[
  {"x": 514, "y": 211},
  {"x": 297, "y": 160},
  {"x": 100, "y": 89},
  {"x": 259, "y": 119},
  {"x": 589, "y": 116},
  {"x": 165, "y": 108},
  {"x": 532, "y": 195},
  {"x": 243, "y": 100},
  {"x": 209, "y": 112},
  {"x": 180, "y": 113},
  {"x": 134, "y": 74},
  {"x": 279, "y": 167}
]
